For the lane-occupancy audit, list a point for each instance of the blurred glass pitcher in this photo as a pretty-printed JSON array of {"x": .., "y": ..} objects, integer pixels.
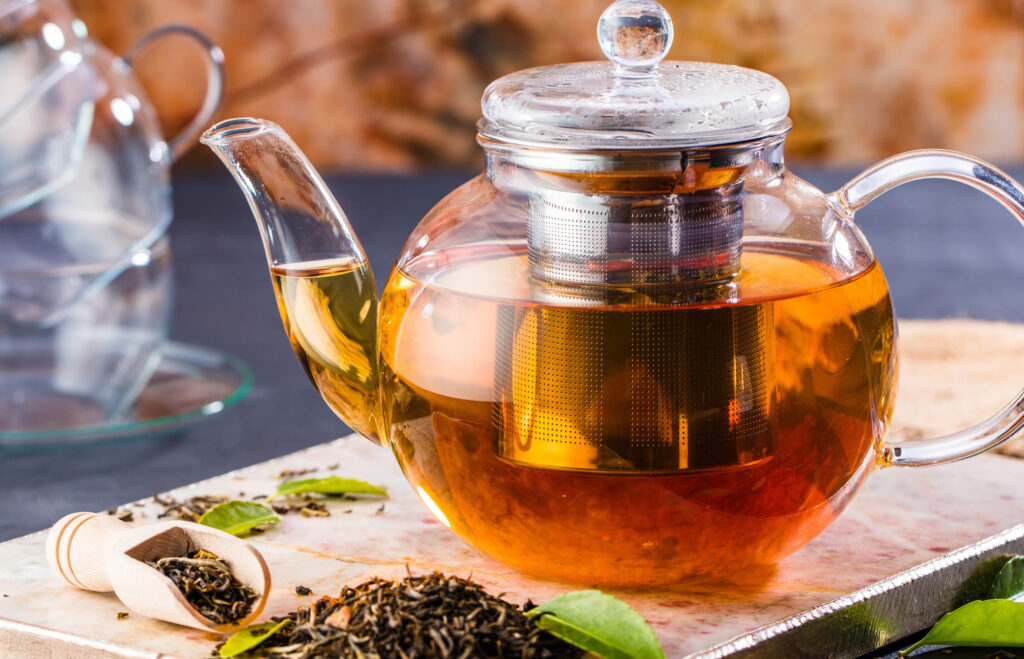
[{"x": 85, "y": 277}]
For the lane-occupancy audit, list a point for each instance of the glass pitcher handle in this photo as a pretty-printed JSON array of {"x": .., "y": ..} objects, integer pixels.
[
  {"x": 214, "y": 58},
  {"x": 885, "y": 176}
]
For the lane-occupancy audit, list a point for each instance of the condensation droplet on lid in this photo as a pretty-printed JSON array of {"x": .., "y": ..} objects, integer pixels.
[
  {"x": 70, "y": 58},
  {"x": 122, "y": 112},
  {"x": 158, "y": 151},
  {"x": 141, "y": 259},
  {"x": 54, "y": 36}
]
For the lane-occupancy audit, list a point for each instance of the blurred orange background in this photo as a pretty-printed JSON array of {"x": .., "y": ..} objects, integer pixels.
[{"x": 395, "y": 85}]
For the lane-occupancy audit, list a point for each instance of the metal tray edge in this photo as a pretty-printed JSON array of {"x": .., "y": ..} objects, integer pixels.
[{"x": 883, "y": 612}]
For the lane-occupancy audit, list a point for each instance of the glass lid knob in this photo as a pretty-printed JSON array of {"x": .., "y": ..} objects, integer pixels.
[
  {"x": 634, "y": 99},
  {"x": 635, "y": 35}
]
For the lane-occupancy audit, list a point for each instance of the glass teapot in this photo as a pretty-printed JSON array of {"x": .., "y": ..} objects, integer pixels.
[
  {"x": 635, "y": 350},
  {"x": 85, "y": 279}
]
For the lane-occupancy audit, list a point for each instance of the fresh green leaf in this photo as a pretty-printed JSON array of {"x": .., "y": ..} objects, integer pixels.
[
  {"x": 238, "y": 517},
  {"x": 982, "y": 623},
  {"x": 250, "y": 637},
  {"x": 1009, "y": 583},
  {"x": 600, "y": 624},
  {"x": 329, "y": 485}
]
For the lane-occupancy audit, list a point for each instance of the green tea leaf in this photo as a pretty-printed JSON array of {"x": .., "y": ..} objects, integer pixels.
[
  {"x": 600, "y": 624},
  {"x": 250, "y": 637},
  {"x": 329, "y": 485},
  {"x": 982, "y": 623},
  {"x": 1009, "y": 583},
  {"x": 238, "y": 517}
]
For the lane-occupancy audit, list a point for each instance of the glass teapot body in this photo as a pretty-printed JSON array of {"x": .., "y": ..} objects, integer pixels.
[
  {"x": 623, "y": 368},
  {"x": 691, "y": 376},
  {"x": 635, "y": 350}
]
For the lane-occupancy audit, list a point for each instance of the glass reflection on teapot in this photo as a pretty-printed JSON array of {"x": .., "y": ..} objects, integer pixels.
[
  {"x": 85, "y": 263},
  {"x": 636, "y": 349}
]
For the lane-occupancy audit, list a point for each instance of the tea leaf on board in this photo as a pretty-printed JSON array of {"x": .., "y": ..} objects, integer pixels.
[
  {"x": 238, "y": 517},
  {"x": 600, "y": 624},
  {"x": 1009, "y": 583},
  {"x": 250, "y": 637},
  {"x": 982, "y": 623},
  {"x": 329, "y": 485}
]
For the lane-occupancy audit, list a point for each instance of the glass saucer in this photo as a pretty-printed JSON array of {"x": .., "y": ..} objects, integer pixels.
[{"x": 190, "y": 384}]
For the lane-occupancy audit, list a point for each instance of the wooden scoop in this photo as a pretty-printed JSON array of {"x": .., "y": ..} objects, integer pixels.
[{"x": 101, "y": 553}]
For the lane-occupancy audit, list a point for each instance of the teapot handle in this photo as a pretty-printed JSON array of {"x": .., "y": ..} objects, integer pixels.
[
  {"x": 214, "y": 58},
  {"x": 911, "y": 166}
]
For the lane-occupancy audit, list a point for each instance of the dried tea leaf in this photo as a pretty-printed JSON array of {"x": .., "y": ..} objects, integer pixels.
[
  {"x": 190, "y": 509},
  {"x": 982, "y": 623},
  {"x": 238, "y": 517},
  {"x": 339, "y": 619},
  {"x": 250, "y": 637},
  {"x": 600, "y": 624},
  {"x": 329, "y": 485}
]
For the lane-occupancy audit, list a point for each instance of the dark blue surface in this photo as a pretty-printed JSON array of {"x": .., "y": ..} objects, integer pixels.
[{"x": 947, "y": 251}]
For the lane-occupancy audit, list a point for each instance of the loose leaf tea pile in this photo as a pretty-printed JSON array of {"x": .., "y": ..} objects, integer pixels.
[
  {"x": 208, "y": 585},
  {"x": 428, "y": 616}
]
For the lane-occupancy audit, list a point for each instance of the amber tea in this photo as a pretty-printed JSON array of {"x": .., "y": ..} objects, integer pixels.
[
  {"x": 686, "y": 436},
  {"x": 329, "y": 309}
]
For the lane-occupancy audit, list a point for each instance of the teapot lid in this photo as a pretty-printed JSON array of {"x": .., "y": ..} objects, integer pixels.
[{"x": 634, "y": 100}]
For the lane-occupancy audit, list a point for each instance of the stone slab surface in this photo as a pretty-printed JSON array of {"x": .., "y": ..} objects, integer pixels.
[{"x": 900, "y": 519}]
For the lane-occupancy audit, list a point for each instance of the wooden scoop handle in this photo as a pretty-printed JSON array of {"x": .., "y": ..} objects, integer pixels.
[
  {"x": 102, "y": 553},
  {"x": 78, "y": 546}
]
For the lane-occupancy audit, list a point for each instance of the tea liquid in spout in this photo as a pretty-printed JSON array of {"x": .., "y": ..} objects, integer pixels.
[
  {"x": 325, "y": 288},
  {"x": 329, "y": 309}
]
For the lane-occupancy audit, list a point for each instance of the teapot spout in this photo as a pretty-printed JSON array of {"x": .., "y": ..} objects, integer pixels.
[{"x": 325, "y": 289}]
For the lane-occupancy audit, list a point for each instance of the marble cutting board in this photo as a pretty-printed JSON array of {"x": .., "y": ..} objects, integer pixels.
[{"x": 901, "y": 519}]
